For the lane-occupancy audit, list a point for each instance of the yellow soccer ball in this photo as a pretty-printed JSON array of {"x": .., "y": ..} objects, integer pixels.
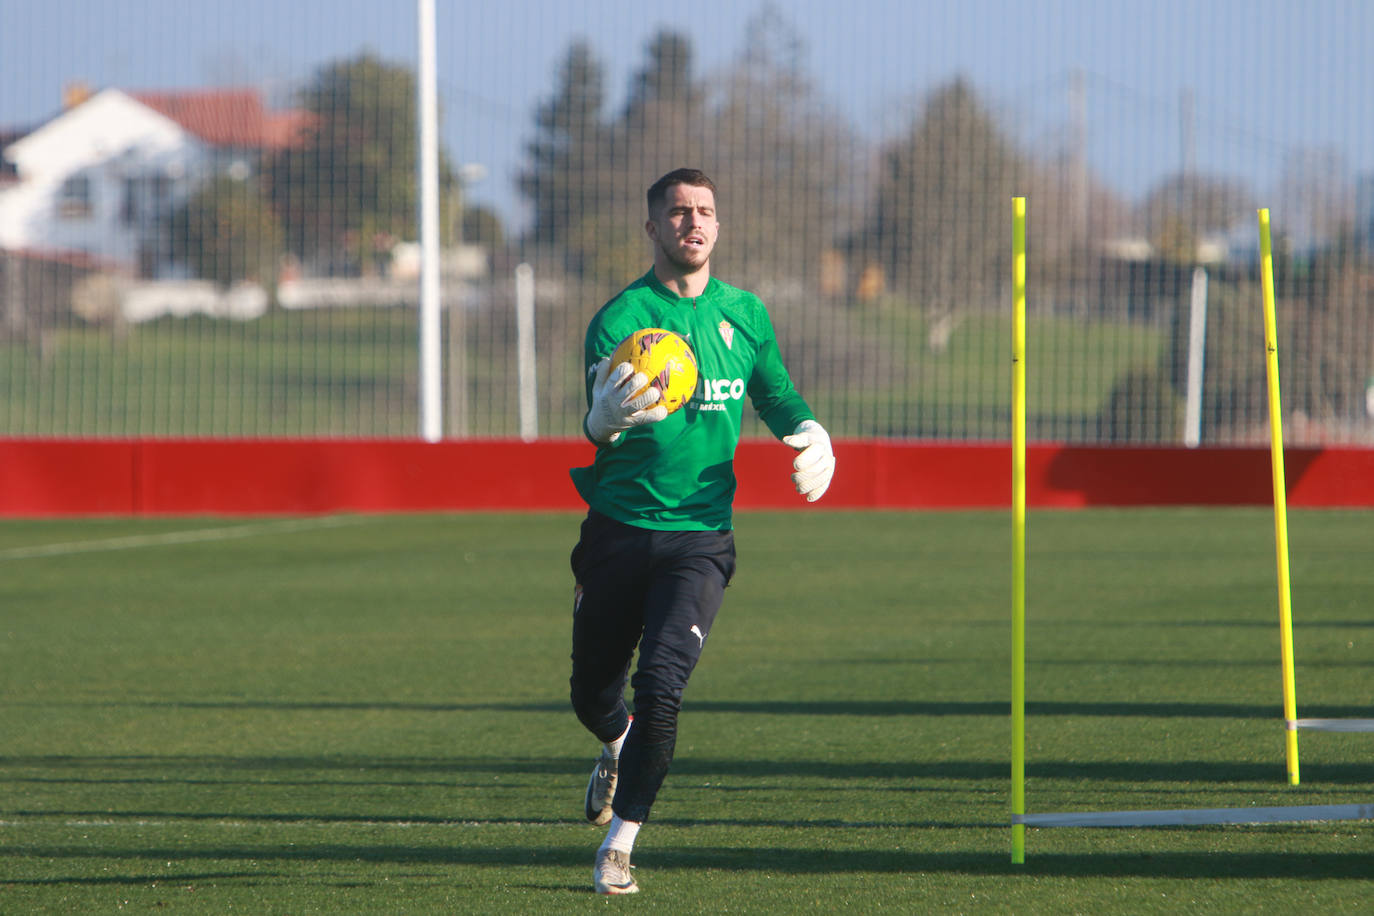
[{"x": 665, "y": 359}]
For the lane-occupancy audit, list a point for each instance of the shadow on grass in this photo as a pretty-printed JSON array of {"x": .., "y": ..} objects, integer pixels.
[
  {"x": 105, "y": 816},
  {"x": 1219, "y": 865},
  {"x": 380, "y": 771},
  {"x": 169, "y": 880},
  {"x": 1125, "y": 772},
  {"x": 1268, "y": 622},
  {"x": 323, "y": 705},
  {"x": 1156, "y": 710},
  {"x": 914, "y": 708}
]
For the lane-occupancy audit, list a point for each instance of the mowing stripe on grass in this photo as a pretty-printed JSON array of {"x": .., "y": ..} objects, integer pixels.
[
  {"x": 174, "y": 538},
  {"x": 1191, "y": 816}
]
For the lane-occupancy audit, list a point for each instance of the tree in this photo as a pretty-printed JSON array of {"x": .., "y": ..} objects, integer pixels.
[
  {"x": 586, "y": 175},
  {"x": 665, "y": 123},
  {"x": 353, "y": 189},
  {"x": 940, "y": 211},
  {"x": 782, "y": 159},
  {"x": 1330, "y": 317},
  {"x": 1316, "y": 196},
  {"x": 228, "y": 233},
  {"x": 1184, "y": 209},
  {"x": 482, "y": 226},
  {"x": 1143, "y": 407},
  {"x": 779, "y": 156},
  {"x": 759, "y": 130},
  {"x": 665, "y": 78},
  {"x": 662, "y": 127},
  {"x": 1234, "y": 405},
  {"x": 566, "y": 173}
]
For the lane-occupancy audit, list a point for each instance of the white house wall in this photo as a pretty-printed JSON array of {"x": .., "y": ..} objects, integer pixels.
[{"x": 110, "y": 138}]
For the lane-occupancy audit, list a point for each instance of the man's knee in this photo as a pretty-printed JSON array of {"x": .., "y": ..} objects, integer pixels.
[
  {"x": 657, "y": 698},
  {"x": 591, "y": 702}
]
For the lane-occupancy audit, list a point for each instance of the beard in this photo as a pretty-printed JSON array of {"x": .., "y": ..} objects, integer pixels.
[{"x": 685, "y": 257}]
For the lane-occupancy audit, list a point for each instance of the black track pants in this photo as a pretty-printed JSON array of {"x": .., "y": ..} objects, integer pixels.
[{"x": 659, "y": 590}]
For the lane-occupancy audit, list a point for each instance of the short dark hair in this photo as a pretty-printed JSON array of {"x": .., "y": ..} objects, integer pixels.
[{"x": 658, "y": 191}]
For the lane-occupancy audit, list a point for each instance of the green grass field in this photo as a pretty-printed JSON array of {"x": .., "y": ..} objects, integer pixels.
[
  {"x": 354, "y": 373},
  {"x": 369, "y": 715}
]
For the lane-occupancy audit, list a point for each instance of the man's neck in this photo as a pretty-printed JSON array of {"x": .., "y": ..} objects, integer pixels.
[{"x": 685, "y": 285}]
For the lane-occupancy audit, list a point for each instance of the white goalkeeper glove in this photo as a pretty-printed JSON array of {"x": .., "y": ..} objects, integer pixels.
[
  {"x": 616, "y": 407},
  {"x": 815, "y": 462}
]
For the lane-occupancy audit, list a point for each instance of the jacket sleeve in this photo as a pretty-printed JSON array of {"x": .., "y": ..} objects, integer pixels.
[{"x": 780, "y": 405}]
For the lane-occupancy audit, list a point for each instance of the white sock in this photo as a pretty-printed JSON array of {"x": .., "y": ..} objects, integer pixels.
[
  {"x": 615, "y": 746},
  {"x": 621, "y": 836}
]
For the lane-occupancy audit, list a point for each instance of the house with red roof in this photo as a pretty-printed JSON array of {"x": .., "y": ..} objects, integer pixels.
[{"x": 96, "y": 182}]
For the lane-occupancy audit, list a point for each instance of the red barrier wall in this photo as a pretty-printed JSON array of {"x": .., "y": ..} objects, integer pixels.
[{"x": 303, "y": 476}]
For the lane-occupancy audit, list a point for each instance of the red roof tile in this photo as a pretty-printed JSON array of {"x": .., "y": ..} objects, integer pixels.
[{"x": 232, "y": 118}]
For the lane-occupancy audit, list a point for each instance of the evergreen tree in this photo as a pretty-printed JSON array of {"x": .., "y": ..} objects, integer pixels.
[
  {"x": 783, "y": 160},
  {"x": 940, "y": 213},
  {"x": 567, "y": 168},
  {"x": 666, "y": 78}
]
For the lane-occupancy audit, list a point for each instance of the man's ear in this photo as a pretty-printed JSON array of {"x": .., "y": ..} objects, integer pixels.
[{"x": 652, "y": 229}]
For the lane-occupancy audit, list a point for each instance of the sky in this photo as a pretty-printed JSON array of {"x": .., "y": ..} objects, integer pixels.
[{"x": 1266, "y": 79}]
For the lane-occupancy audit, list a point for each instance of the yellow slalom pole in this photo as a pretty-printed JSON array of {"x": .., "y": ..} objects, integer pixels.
[
  {"x": 1271, "y": 367},
  {"x": 1018, "y": 530}
]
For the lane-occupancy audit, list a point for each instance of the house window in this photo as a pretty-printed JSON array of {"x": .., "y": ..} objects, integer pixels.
[
  {"x": 162, "y": 194},
  {"x": 74, "y": 200},
  {"x": 146, "y": 198},
  {"x": 129, "y": 208}
]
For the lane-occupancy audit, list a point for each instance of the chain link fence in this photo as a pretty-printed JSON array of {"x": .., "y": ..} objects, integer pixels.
[{"x": 231, "y": 250}]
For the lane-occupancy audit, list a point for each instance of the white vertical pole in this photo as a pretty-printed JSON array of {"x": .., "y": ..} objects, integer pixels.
[
  {"x": 1197, "y": 349},
  {"x": 431, "y": 369},
  {"x": 524, "y": 331}
]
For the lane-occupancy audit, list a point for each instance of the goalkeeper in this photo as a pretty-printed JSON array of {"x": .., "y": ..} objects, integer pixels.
[{"x": 656, "y": 549}]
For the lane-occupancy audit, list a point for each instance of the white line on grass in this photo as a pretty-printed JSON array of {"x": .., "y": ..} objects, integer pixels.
[
  {"x": 1195, "y": 816},
  {"x": 174, "y": 538},
  {"x": 1336, "y": 725}
]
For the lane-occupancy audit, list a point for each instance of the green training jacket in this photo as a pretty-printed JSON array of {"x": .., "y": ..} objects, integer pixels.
[{"x": 678, "y": 474}]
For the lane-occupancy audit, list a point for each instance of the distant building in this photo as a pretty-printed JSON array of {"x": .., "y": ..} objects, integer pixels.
[
  {"x": 98, "y": 180},
  {"x": 1364, "y": 211}
]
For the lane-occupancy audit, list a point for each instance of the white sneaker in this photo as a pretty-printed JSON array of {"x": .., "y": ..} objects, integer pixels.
[
  {"x": 612, "y": 873},
  {"x": 601, "y": 789}
]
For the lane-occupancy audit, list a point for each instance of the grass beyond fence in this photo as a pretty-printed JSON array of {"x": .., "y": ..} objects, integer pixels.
[
  {"x": 355, "y": 372},
  {"x": 369, "y": 715}
]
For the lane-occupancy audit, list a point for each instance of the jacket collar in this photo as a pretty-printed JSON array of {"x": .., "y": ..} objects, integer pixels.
[{"x": 664, "y": 293}]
